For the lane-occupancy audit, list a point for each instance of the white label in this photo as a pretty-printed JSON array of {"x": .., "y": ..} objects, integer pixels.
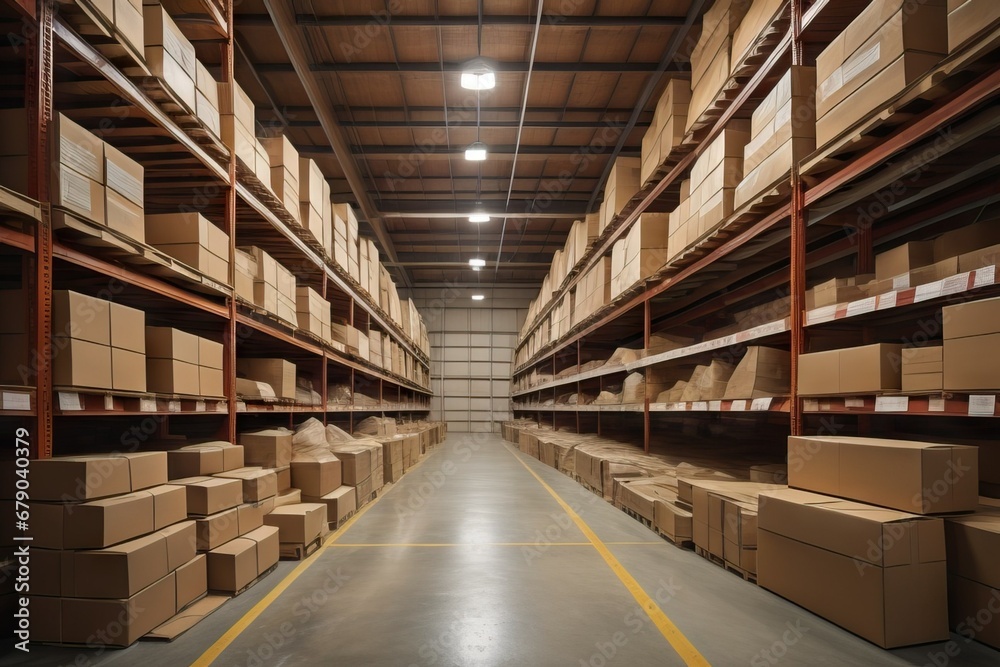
[
  {"x": 823, "y": 314},
  {"x": 982, "y": 405},
  {"x": 81, "y": 158},
  {"x": 109, "y": 402},
  {"x": 830, "y": 85},
  {"x": 928, "y": 291},
  {"x": 985, "y": 276},
  {"x": 854, "y": 402},
  {"x": 69, "y": 401},
  {"x": 75, "y": 190},
  {"x": 715, "y": 406},
  {"x": 810, "y": 405},
  {"x": 761, "y": 404},
  {"x": 173, "y": 406},
  {"x": 892, "y": 403},
  {"x": 935, "y": 404},
  {"x": 147, "y": 405},
  {"x": 199, "y": 406},
  {"x": 12, "y": 400},
  {"x": 860, "y": 307},
  {"x": 887, "y": 300},
  {"x": 123, "y": 182},
  {"x": 858, "y": 63},
  {"x": 699, "y": 406},
  {"x": 901, "y": 282},
  {"x": 955, "y": 284},
  {"x": 739, "y": 406}
]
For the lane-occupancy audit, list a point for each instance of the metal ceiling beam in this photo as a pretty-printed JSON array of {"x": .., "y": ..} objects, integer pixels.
[
  {"x": 427, "y": 261},
  {"x": 420, "y": 153},
  {"x": 557, "y": 111},
  {"x": 500, "y": 67},
  {"x": 551, "y": 20},
  {"x": 519, "y": 208},
  {"x": 486, "y": 124},
  {"x": 298, "y": 55}
]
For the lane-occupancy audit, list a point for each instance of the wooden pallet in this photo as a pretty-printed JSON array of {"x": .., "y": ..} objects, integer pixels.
[
  {"x": 710, "y": 557},
  {"x": 291, "y": 551},
  {"x": 747, "y": 575},
  {"x": 683, "y": 544},
  {"x": 248, "y": 586},
  {"x": 334, "y": 525},
  {"x": 638, "y": 517}
]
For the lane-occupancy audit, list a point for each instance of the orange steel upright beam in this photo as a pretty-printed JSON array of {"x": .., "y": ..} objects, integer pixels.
[
  {"x": 38, "y": 102},
  {"x": 797, "y": 277},
  {"x": 231, "y": 329}
]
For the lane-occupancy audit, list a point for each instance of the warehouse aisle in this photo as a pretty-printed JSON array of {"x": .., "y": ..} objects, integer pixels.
[{"x": 469, "y": 560}]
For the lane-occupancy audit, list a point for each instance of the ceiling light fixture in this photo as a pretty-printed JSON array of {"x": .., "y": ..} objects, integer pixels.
[
  {"x": 477, "y": 75},
  {"x": 478, "y": 297},
  {"x": 479, "y": 217},
  {"x": 476, "y": 152},
  {"x": 475, "y": 261}
]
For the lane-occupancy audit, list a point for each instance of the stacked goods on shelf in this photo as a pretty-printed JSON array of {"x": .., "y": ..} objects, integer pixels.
[
  {"x": 128, "y": 348},
  {"x": 346, "y": 253},
  {"x": 581, "y": 235},
  {"x": 245, "y": 272},
  {"x": 971, "y": 543},
  {"x": 126, "y": 16},
  {"x": 81, "y": 328},
  {"x": 375, "y": 348},
  {"x": 667, "y": 127},
  {"x": 763, "y": 372},
  {"x": 123, "y": 196},
  {"x": 710, "y": 58},
  {"x": 839, "y": 290},
  {"x": 370, "y": 268},
  {"x": 362, "y": 468},
  {"x": 192, "y": 239},
  {"x": 314, "y": 195},
  {"x": 169, "y": 54},
  {"x": 922, "y": 368},
  {"x": 593, "y": 291},
  {"x": 757, "y": 18},
  {"x": 207, "y": 99},
  {"x": 110, "y": 540},
  {"x": 623, "y": 183},
  {"x": 277, "y": 374},
  {"x": 561, "y": 317},
  {"x": 782, "y": 132},
  {"x": 313, "y": 312},
  {"x": 641, "y": 253},
  {"x": 967, "y": 19},
  {"x": 284, "y": 164},
  {"x": 174, "y": 365},
  {"x": 868, "y": 369},
  {"x": 273, "y": 286},
  {"x": 887, "y": 47},
  {"x": 708, "y": 383},
  {"x": 971, "y": 332},
  {"x": 237, "y": 119},
  {"x": 707, "y": 198}
]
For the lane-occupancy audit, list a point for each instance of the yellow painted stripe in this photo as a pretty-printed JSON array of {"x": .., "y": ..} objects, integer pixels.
[
  {"x": 685, "y": 649},
  {"x": 345, "y": 545},
  {"x": 216, "y": 649}
]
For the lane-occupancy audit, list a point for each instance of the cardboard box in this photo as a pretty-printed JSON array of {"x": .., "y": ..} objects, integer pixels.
[
  {"x": 217, "y": 529},
  {"x": 894, "y": 595},
  {"x": 79, "y": 478},
  {"x": 81, "y": 317},
  {"x": 966, "y": 601},
  {"x": 859, "y": 370},
  {"x": 211, "y": 382},
  {"x": 316, "y": 475},
  {"x": 762, "y": 372},
  {"x": 232, "y": 566},
  {"x": 928, "y": 478},
  {"x": 250, "y": 516},
  {"x": 77, "y": 149},
  {"x": 204, "y": 459},
  {"x": 169, "y": 505},
  {"x": 269, "y": 448},
  {"x": 340, "y": 503},
  {"x": 169, "y": 343},
  {"x": 127, "y": 328},
  {"x": 128, "y": 370},
  {"x": 284, "y": 474},
  {"x": 79, "y": 363},
  {"x": 120, "y": 571},
  {"x": 278, "y": 373},
  {"x": 124, "y": 194},
  {"x": 268, "y": 546},
  {"x": 258, "y": 483},
  {"x": 211, "y": 495},
  {"x": 100, "y": 523},
  {"x": 191, "y": 580},
  {"x": 170, "y": 376},
  {"x": 87, "y": 621},
  {"x": 966, "y": 20},
  {"x": 972, "y": 541},
  {"x": 298, "y": 524},
  {"x": 971, "y": 330}
]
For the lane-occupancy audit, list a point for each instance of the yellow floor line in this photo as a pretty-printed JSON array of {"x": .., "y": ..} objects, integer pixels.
[
  {"x": 345, "y": 545},
  {"x": 685, "y": 649}
]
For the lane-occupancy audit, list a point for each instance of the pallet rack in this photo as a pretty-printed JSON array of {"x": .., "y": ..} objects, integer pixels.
[
  {"x": 767, "y": 246},
  {"x": 92, "y": 79}
]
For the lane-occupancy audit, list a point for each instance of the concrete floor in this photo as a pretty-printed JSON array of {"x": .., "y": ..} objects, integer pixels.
[{"x": 470, "y": 561}]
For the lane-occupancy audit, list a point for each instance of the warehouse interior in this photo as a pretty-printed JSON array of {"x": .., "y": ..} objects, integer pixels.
[{"x": 496, "y": 332}]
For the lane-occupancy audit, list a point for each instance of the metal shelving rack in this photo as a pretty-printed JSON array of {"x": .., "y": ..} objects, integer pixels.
[
  {"x": 771, "y": 242},
  {"x": 30, "y": 226}
]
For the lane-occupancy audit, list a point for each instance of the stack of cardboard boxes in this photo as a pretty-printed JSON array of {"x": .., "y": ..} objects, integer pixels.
[
  {"x": 362, "y": 468},
  {"x": 123, "y": 195},
  {"x": 284, "y": 164},
  {"x": 888, "y": 46},
  {"x": 581, "y": 235},
  {"x": 278, "y": 374},
  {"x": 169, "y": 54},
  {"x": 973, "y": 576},
  {"x": 763, "y": 372},
  {"x": 757, "y": 18},
  {"x": 860, "y": 547},
  {"x": 641, "y": 253},
  {"x": 971, "y": 333},
  {"x": 868, "y": 369},
  {"x": 922, "y": 368},
  {"x": 711, "y": 56},
  {"x": 182, "y": 363},
  {"x": 192, "y": 239},
  {"x": 667, "y": 127},
  {"x": 207, "y": 99},
  {"x": 237, "y": 119},
  {"x": 244, "y": 274},
  {"x": 313, "y": 312},
  {"x": 273, "y": 286},
  {"x": 623, "y": 182},
  {"x": 110, "y": 541},
  {"x": 782, "y": 132},
  {"x": 314, "y": 195},
  {"x": 969, "y": 18}
]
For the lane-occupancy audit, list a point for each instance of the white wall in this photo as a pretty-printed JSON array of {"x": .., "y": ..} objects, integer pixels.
[{"x": 471, "y": 350}]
